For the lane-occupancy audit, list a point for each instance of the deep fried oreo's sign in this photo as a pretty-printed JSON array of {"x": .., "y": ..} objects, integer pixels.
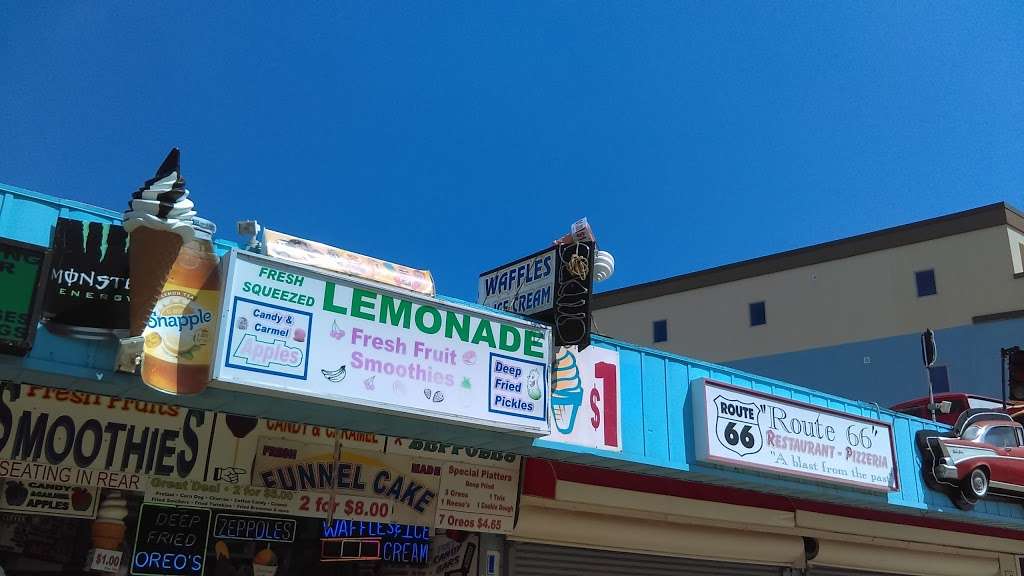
[{"x": 740, "y": 427}]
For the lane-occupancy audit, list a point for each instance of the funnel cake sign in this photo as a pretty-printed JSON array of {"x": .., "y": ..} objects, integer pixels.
[
  {"x": 292, "y": 330},
  {"x": 741, "y": 427}
]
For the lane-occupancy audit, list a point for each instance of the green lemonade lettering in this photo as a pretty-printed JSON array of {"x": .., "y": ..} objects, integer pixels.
[{"x": 384, "y": 309}]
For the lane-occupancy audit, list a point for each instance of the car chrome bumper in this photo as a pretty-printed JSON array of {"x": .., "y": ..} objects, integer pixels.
[{"x": 946, "y": 471}]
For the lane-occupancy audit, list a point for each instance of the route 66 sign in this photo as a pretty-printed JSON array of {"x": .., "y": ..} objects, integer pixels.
[
  {"x": 745, "y": 428},
  {"x": 737, "y": 425}
]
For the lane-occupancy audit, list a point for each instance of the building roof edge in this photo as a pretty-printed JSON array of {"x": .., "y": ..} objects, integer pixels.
[{"x": 991, "y": 215}]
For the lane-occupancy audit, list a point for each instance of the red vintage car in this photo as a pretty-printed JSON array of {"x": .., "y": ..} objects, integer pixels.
[
  {"x": 984, "y": 455},
  {"x": 951, "y": 405}
]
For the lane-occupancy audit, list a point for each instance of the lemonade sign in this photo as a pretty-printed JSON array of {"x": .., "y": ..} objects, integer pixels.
[{"x": 294, "y": 330}]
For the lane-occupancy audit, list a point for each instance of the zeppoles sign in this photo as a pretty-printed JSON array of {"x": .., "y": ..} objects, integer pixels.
[
  {"x": 744, "y": 428},
  {"x": 54, "y": 435}
]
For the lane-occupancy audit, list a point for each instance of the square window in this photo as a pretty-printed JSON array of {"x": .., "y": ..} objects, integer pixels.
[
  {"x": 925, "y": 283},
  {"x": 660, "y": 331},
  {"x": 940, "y": 378},
  {"x": 758, "y": 316}
]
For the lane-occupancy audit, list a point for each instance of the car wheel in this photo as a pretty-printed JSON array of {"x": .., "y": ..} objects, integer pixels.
[{"x": 976, "y": 484}]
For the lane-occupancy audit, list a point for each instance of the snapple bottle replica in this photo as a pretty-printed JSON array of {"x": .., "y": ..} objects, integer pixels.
[{"x": 180, "y": 333}]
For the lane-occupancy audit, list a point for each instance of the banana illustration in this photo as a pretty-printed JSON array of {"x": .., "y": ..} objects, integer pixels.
[{"x": 336, "y": 375}]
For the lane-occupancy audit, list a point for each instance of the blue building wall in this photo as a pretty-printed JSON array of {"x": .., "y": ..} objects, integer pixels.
[
  {"x": 894, "y": 372},
  {"x": 655, "y": 396}
]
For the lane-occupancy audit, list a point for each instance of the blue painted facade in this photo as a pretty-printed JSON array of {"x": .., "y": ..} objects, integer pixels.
[
  {"x": 655, "y": 395},
  {"x": 893, "y": 372}
]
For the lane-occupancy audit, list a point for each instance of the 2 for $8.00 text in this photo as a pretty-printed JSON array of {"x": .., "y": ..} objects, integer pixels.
[{"x": 349, "y": 506}]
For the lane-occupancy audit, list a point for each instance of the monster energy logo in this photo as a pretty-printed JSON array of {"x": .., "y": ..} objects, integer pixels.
[
  {"x": 73, "y": 277},
  {"x": 65, "y": 276},
  {"x": 105, "y": 236}
]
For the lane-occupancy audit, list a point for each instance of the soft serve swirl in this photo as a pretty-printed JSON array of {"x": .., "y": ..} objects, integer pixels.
[{"x": 162, "y": 202}]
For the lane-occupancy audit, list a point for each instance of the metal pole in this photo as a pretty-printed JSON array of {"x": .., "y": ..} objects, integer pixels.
[
  {"x": 931, "y": 393},
  {"x": 1002, "y": 372}
]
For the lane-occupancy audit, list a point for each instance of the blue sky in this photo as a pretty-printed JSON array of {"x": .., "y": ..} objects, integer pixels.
[{"x": 458, "y": 136}]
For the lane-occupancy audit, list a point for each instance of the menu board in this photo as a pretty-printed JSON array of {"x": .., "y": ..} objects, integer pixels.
[
  {"x": 170, "y": 540},
  {"x": 22, "y": 268},
  {"x": 195, "y": 458},
  {"x": 477, "y": 497},
  {"x": 478, "y": 488}
]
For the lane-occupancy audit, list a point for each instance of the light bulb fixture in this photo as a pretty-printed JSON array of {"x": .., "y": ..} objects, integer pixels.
[{"x": 604, "y": 265}]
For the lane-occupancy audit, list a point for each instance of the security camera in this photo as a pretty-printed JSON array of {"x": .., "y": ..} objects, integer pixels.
[{"x": 250, "y": 230}]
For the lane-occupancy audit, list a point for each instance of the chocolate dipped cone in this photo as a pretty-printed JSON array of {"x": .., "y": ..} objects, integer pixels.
[
  {"x": 151, "y": 256},
  {"x": 159, "y": 221}
]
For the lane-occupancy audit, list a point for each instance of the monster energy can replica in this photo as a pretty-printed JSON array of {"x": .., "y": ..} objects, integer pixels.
[{"x": 87, "y": 291}]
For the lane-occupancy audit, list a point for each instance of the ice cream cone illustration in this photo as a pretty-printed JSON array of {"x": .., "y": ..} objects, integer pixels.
[
  {"x": 174, "y": 279},
  {"x": 566, "y": 391},
  {"x": 108, "y": 528},
  {"x": 264, "y": 563}
]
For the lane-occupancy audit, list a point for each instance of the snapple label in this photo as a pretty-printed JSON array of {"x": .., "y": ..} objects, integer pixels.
[{"x": 180, "y": 333}]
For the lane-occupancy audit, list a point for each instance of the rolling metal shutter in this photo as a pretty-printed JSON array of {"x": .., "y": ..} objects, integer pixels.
[
  {"x": 828, "y": 571},
  {"x": 836, "y": 558},
  {"x": 528, "y": 559}
]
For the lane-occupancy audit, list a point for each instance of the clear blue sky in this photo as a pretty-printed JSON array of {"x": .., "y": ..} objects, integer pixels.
[{"x": 457, "y": 136}]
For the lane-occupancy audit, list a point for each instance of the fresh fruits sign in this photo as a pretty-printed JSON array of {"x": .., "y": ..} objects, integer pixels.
[{"x": 299, "y": 331}]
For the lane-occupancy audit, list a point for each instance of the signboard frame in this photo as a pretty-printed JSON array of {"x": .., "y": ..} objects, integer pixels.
[
  {"x": 532, "y": 427},
  {"x": 200, "y": 549},
  {"x": 23, "y": 346},
  {"x": 702, "y": 438},
  {"x": 551, "y": 282}
]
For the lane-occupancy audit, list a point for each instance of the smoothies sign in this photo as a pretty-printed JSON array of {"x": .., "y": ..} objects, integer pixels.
[
  {"x": 291, "y": 330},
  {"x": 57, "y": 436},
  {"x": 740, "y": 427}
]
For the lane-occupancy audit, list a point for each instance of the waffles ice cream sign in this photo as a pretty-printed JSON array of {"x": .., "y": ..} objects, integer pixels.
[
  {"x": 585, "y": 400},
  {"x": 293, "y": 330}
]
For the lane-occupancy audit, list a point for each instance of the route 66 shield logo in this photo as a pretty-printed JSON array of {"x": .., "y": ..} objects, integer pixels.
[{"x": 737, "y": 425}]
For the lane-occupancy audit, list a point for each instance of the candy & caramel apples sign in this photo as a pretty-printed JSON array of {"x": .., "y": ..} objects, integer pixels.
[{"x": 291, "y": 330}]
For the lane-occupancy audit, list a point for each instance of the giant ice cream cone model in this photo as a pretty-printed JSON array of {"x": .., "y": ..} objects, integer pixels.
[
  {"x": 566, "y": 391},
  {"x": 159, "y": 221},
  {"x": 174, "y": 282},
  {"x": 108, "y": 528}
]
